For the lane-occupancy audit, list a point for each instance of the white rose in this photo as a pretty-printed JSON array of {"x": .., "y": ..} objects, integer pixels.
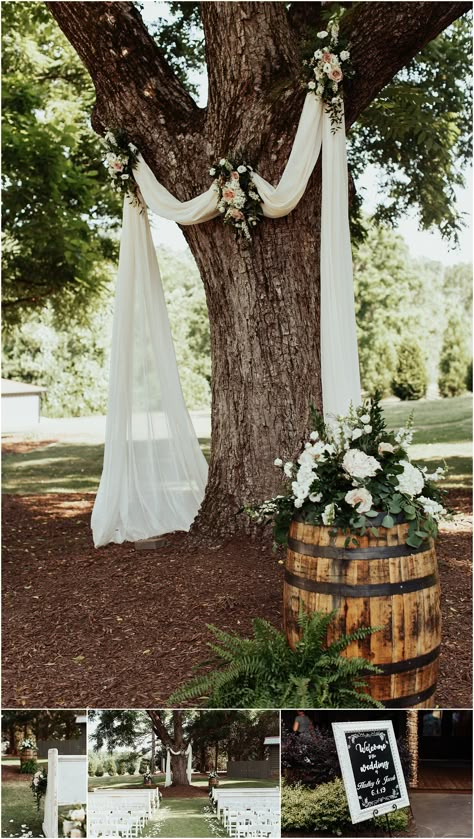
[
  {"x": 241, "y": 169},
  {"x": 367, "y": 429},
  {"x": 365, "y": 419},
  {"x": 360, "y": 465},
  {"x": 315, "y": 497},
  {"x": 311, "y": 85},
  {"x": 288, "y": 469},
  {"x": 322, "y": 34},
  {"x": 299, "y": 502},
  {"x": 345, "y": 55},
  {"x": 278, "y": 461},
  {"x": 385, "y": 447},
  {"x": 411, "y": 481},
  {"x": 329, "y": 514},
  {"x": 356, "y": 433},
  {"x": 314, "y": 435},
  {"x": 360, "y": 498}
]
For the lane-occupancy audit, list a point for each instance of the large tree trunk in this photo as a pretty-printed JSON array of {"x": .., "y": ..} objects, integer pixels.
[
  {"x": 178, "y": 770},
  {"x": 263, "y": 301}
]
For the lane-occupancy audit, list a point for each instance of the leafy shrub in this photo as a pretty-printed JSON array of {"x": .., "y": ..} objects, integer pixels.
[
  {"x": 411, "y": 379},
  {"x": 121, "y": 767},
  {"x": 309, "y": 759},
  {"x": 99, "y": 770},
  {"x": 110, "y": 766},
  {"x": 131, "y": 766},
  {"x": 454, "y": 361},
  {"x": 29, "y": 767},
  {"x": 468, "y": 381},
  {"x": 264, "y": 671},
  {"x": 325, "y": 808},
  {"x": 144, "y": 766},
  {"x": 92, "y": 765}
]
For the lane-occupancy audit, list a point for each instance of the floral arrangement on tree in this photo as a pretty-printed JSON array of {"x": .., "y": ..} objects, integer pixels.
[
  {"x": 121, "y": 159},
  {"x": 326, "y": 69},
  {"x": 38, "y": 786},
  {"x": 148, "y": 777},
  {"x": 74, "y": 823},
  {"x": 27, "y": 743},
  {"x": 238, "y": 198},
  {"x": 356, "y": 475},
  {"x": 212, "y": 775}
]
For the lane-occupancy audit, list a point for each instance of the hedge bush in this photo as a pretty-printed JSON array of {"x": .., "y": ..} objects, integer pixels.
[
  {"x": 121, "y": 767},
  {"x": 99, "y": 772},
  {"x": 309, "y": 758},
  {"x": 325, "y": 808},
  {"x": 454, "y": 361},
  {"x": 110, "y": 766},
  {"x": 131, "y": 766},
  {"x": 411, "y": 378}
]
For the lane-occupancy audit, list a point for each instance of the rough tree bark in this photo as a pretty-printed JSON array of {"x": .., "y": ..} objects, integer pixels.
[
  {"x": 263, "y": 301},
  {"x": 177, "y": 743}
]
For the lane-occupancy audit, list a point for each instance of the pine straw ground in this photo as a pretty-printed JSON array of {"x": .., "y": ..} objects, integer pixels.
[{"x": 116, "y": 627}]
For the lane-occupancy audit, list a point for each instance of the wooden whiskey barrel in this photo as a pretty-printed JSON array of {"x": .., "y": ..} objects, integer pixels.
[{"x": 380, "y": 582}]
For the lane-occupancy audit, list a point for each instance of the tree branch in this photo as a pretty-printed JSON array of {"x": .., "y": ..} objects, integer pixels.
[
  {"x": 130, "y": 74},
  {"x": 160, "y": 728},
  {"x": 384, "y": 38}
]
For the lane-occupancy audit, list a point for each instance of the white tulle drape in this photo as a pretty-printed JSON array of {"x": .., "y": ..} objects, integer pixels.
[
  {"x": 189, "y": 764},
  {"x": 154, "y": 474}
]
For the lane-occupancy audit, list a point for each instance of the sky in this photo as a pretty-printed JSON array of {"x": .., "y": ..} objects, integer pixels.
[{"x": 421, "y": 243}]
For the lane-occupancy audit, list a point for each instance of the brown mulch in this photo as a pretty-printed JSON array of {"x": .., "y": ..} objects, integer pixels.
[
  {"x": 184, "y": 792},
  {"x": 25, "y": 446},
  {"x": 116, "y": 627},
  {"x": 12, "y": 773}
]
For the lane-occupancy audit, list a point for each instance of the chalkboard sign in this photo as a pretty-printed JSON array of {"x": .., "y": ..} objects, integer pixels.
[{"x": 371, "y": 769}]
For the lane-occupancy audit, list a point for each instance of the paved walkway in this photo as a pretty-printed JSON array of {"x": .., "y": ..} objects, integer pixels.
[{"x": 442, "y": 814}]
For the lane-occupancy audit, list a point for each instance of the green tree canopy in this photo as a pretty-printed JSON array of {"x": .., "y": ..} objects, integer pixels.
[{"x": 59, "y": 209}]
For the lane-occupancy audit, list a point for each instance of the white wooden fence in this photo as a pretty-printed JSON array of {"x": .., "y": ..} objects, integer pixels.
[{"x": 67, "y": 784}]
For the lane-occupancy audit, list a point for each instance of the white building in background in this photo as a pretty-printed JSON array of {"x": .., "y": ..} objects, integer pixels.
[{"x": 21, "y": 405}]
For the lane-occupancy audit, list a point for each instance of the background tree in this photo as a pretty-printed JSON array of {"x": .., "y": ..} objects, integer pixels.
[
  {"x": 410, "y": 380},
  {"x": 265, "y": 367},
  {"x": 454, "y": 361},
  {"x": 42, "y": 725},
  {"x": 59, "y": 211}
]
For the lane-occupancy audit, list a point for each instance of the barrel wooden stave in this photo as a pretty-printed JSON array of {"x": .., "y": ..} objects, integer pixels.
[{"x": 410, "y": 619}]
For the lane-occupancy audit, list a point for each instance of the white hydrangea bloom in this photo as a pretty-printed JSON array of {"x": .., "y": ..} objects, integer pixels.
[
  {"x": 288, "y": 469},
  {"x": 411, "y": 481},
  {"x": 432, "y": 508},
  {"x": 329, "y": 514}
]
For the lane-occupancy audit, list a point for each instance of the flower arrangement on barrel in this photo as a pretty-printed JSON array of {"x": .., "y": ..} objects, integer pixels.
[
  {"x": 74, "y": 822},
  {"x": 359, "y": 520},
  {"x": 356, "y": 476}
]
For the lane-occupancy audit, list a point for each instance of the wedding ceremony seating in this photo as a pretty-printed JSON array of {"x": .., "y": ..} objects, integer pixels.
[
  {"x": 121, "y": 812},
  {"x": 248, "y": 812}
]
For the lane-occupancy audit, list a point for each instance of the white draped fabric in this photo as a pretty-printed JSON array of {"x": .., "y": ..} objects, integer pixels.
[{"x": 154, "y": 474}]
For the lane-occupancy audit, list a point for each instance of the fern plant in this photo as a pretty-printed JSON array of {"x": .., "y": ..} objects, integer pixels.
[{"x": 265, "y": 672}]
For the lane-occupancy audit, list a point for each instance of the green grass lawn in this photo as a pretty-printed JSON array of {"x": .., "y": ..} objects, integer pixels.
[
  {"x": 19, "y": 808},
  {"x": 443, "y": 433},
  {"x": 133, "y": 781}
]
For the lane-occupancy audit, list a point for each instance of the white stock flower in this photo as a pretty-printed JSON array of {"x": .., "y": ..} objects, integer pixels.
[
  {"x": 329, "y": 514},
  {"x": 315, "y": 497},
  {"x": 385, "y": 447},
  {"x": 411, "y": 481},
  {"x": 320, "y": 89},
  {"x": 360, "y": 498},
  {"x": 360, "y": 465},
  {"x": 322, "y": 34},
  {"x": 288, "y": 469},
  {"x": 345, "y": 55},
  {"x": 278, "y": 461},
  {"x": 432, "y": 508}
]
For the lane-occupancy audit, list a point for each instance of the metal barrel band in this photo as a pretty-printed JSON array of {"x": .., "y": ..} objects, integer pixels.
[
  {"x": 331, "y": 552},
  {"x": 408, "y": 664},
  {"x": 413, "y": 699},
  {"x": 370, "y": 590},
  {"x": 373, "y": 521}
]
